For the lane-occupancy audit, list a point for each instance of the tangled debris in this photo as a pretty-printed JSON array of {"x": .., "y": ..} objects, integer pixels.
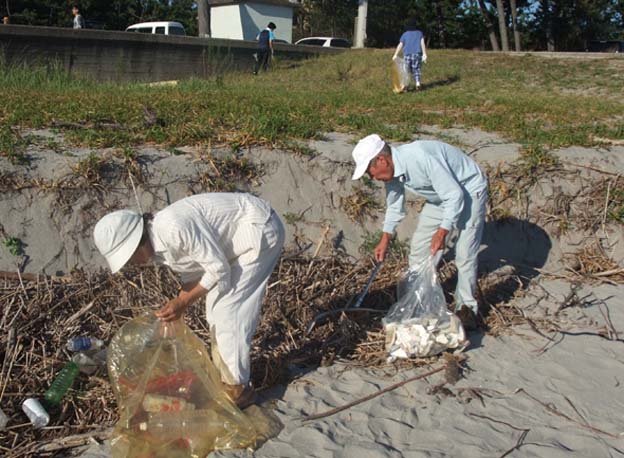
[{"x": 40, "y": 313}]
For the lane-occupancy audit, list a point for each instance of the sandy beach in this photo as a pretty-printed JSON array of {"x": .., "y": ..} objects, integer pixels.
[{"x": 550, "y": 385}]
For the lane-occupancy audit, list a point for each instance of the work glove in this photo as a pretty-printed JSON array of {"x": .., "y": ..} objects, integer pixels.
[{"x": 424, "y": 58}]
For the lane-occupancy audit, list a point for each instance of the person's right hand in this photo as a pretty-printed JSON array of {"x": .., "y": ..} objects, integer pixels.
[
  {"x": 382, "y": 247},
  {"x": 394, "y": 57}
]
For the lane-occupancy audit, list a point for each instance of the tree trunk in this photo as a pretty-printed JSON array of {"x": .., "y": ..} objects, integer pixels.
[
  {"x": 441, "y": 29},
  {"x": 502, "y": 26},
  {"x": 514, "y": 23},
  {"x": 203, "y": 18},
  {"x": 489, "y": 25},
  {"x": 549, "y": 23}
]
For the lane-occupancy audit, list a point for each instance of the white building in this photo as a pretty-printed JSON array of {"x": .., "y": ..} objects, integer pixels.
[{"x": 243, "y": 20}]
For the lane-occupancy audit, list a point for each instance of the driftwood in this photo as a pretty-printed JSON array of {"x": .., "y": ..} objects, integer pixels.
[{"x": 372, "y": 396}]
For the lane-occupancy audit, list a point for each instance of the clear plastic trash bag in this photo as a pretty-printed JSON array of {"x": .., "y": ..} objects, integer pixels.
[
  {"x": 170, "y": 397},
  {"x": 419, "y": 323},
  {"x": 400, "y": 75}
]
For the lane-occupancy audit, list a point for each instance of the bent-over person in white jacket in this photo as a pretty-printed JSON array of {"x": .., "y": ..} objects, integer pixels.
[{"x": 224, "y": 246}]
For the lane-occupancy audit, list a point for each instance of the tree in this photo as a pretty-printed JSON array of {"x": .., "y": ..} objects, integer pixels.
[
  {"x": 514, "y": 22},
  {"x": 489, "y": 24},
  {"x": 502, "y": 24}
]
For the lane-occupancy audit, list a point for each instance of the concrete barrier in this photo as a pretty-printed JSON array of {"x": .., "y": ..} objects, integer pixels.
[{"x": 127, "y": 56}]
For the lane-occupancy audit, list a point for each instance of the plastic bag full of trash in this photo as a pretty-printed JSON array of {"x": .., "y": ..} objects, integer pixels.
[
  {"x": 170, "y": 397},
  {"x": 419, "y": 323},
  {"x": 400, "y": 75}
]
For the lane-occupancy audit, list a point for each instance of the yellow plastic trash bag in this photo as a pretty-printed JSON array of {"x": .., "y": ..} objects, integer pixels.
[
  {"x": 400, "y": 75},
  {"x": 170, "y": 396}
]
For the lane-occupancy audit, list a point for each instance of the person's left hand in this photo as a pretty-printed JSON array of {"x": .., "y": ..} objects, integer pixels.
[
  {"x": 437, "y": 241},
  {"x": 424, "y": 58},
  {"x": 173, "y": 310}
]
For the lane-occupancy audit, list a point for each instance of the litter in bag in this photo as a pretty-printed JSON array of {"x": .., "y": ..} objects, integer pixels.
[
  {"x": 419, "y": 323},
  {"x": 400, "y": 75},
  {"x": 170, "y": 397}
]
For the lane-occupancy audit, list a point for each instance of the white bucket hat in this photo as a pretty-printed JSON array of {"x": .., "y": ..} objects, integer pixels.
[
  {"x": 364, "y": 152},
  {"x": 117, "y": 236}
]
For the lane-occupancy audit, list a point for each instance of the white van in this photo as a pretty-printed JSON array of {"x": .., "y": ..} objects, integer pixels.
[{"x": 160, "y": 28}]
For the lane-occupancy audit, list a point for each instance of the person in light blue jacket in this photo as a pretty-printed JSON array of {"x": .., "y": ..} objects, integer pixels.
[{"x": 455, "y": 189}]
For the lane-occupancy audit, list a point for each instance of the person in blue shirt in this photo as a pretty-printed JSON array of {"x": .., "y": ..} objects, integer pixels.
[
  {"x": 455, "y": 189},
  {"x": 412, "y": 43},
  {"x": 265, "y": 46}
]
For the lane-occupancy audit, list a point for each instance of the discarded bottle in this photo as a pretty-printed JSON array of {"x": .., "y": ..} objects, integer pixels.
[
  {"x": 82, "y": 343},
  {"x": 188, "y": 424},
  {"x": 3, "y": 420},
  {"x": 85, "y": 363},
  {"x": 35, "y": 412},
  {"x": 61, "y": 384},
  {"x": 160, "y": 403}
]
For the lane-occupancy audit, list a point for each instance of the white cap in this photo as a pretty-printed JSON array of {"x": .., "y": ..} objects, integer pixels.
[
  {"x": 364, "y": 152},
  {"x": 117, "y": 236}
]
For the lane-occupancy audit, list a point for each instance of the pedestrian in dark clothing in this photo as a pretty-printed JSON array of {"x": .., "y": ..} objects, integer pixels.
[{"x": 265, "y": 47}]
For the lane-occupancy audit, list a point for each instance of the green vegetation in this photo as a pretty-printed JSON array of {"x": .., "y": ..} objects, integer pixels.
[
  {"x": 293, "y": 218},
  {"x": 536, "y": 101},
  {"x": 616, "y": 204},
  {"x": 14, "y": 245},
  {"x": 398, "y": 248},
  {"x": 12, "y": 146}
]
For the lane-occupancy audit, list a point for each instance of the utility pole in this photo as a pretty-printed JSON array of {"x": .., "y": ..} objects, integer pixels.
[
  {"x": 360, "y": 24},
  {"x": 203, "y": 17}
]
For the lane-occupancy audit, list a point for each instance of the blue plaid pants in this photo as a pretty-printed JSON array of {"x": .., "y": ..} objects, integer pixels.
[{"x": 414, "y": 63}]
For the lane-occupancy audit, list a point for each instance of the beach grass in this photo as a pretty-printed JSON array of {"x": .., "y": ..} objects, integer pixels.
[{"x": 536, "y": 101}]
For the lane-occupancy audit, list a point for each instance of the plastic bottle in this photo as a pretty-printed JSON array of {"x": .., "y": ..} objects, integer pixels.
[
  {"x": 3, "y": 420},
  {"x": 86, "y": 364},
  {"x": 82, "y": 343},
  {"x": 35, "y": 412},
  {"x": 61, "y": 384},
  {"x": 160, "y": 403},
  {"x": 168, "y": 426}
]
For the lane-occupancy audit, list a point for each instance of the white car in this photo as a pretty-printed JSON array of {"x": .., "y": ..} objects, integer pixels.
[
  {"x": 326, "y": 42},
  {"x": 159, "y": 28}
]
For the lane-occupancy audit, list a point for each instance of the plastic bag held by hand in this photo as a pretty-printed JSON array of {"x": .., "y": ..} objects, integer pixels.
[
  {"x": 400, "y": 75},
  {"x": 171, "y": 400},
  {"x": 419, "y": 324}
]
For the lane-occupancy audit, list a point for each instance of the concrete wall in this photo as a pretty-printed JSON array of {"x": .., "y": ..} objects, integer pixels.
[
  {"x": 127, "y": 56},
  {"x": 245, "y": 20}
]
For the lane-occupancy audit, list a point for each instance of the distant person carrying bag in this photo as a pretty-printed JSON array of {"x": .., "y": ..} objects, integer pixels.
[
  {"x": 265, "y": 46},
  {"x": 412, "y": 43}
]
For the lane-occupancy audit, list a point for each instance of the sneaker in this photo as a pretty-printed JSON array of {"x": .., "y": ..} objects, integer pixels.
[{"x": 468, "y": 318}]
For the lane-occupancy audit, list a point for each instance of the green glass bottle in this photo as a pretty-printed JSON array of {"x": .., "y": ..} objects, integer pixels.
[{"x": 61, "y": 384}]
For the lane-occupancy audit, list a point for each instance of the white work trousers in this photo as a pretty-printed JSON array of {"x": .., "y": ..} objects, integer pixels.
[
  {"x": 234, "y": 315},
  {"x": 470, "y": 228}
]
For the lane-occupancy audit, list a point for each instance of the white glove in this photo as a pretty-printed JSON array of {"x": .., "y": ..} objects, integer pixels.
[{"x": 424, "y": 58}]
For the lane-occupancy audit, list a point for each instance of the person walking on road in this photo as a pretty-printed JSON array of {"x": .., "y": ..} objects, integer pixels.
[
  {"x": 224, "y": 246},
  {"x": 265, "y": 47},
  {"x": 455, "y": 189},
  {"x": 412, "y": 43}
]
